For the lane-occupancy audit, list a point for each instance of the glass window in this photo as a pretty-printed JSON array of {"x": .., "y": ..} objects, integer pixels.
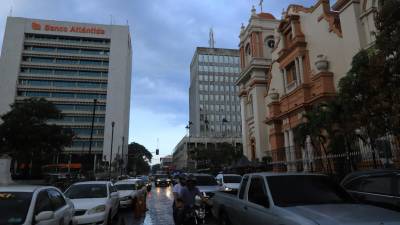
[
  {"x": 64, "y": 84},
  {"x": 211, "y": 78},
  {"x": 90, "y": 73},
  {"x": 43, "y": 203},
  {"x": 43, "y": 49},
  {"x": 217, "y": 98},
  {"x": 206, "y": 87},
  {"x": 216, "y": 108},
  {"x": 206, "y": 58},
  {"x": 312, "y": 190},
  {"x": 66, "y": 72},
  {"x": 62, "y": 95},
  {"x": 225, "y": 59},
  {"x": 211, "y": 107},
  {"x": 201, "y": 98},
  {"x": 14, "y": 206},
  {"x": 221, "y": 79},
  {"x": 206, "y": 97},
  {"x": 257, "y": 192},
  {"x": 222, "y": 98},
  {"x": 87, "y": 191},
  {"x": 243, "y": 186},
  {"x": 42, "y": 60},
  {"x": 56, "y": 199},
  {"x": 378, "y": 185},
  {"x": 37, "y": 94},
  {"x": 211, "y": 97},
  {"x": 68, "y": 50},
  {"x": 90, "y": 62},
  {"x": 40, "y": 71}
]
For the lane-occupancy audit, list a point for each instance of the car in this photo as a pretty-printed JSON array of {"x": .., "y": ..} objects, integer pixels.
[
  {"x": 229, "y": 182},
  {"x": 376, "y": 187},
  {"x": 206, "y": 184},
  {"x": 96, "y": 202},
  {"x": 39, "y": 205},
  {"x": 162, "y": 180},
  {"x": 129, "y": 191},
  {"x": 296, "y": 199}
]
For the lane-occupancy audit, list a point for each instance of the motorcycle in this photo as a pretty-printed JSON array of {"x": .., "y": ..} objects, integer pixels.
[{"x": 195, "y": 214}]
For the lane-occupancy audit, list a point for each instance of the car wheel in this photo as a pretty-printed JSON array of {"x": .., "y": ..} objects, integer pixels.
[{"x": 224, "y": 219}]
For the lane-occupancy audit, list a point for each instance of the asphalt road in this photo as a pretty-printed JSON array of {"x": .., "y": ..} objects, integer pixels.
[{"x": 159, "y": 203}]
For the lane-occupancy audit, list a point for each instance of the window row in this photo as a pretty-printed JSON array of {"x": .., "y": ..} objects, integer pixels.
[
  {"x": 226, "y": 129},
  {"x": 81, "y": 119},
  {"x": 218, "y": 98},
  {"x": 220, "y": 118},
  {"x": 60, "y": 95},
  {"x": 65, "y": 61},
  {"x": 217, "y": 78},
  {"x": 219, "y": 69},
  {"x": 219, "y": 108},
  {"x": 67, "y": 50},
  {"x": 86, "y": 131},
  {"x": 72, "y": 107},
  {"x": 65, "y": 39},
  {"x": 79, "y": 73},
  {"x": 222, "y": 88},
  {"x": 78, "y": 84},
  {"x": 219, "y": 59},
  {"x": 85, "y": 144}
]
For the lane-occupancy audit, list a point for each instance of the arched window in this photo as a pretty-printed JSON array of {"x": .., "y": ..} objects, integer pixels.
[
  {"x": 269, "y": 44},
  {"x": 248, "y": 49}
]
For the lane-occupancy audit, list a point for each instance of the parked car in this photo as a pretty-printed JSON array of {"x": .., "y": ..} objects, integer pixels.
[
  {"x": 129, "y": 191},
  {"x": 39, "y": 205},
  {"x": 376, "y": 187},
  {"x": 96, "y": 202},
  {"x": 162, "y": 180},
  {"x": 295, "y": 199},
  {"x": 229, "y": 182}
]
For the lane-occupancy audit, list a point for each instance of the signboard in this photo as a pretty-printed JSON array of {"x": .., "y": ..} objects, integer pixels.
[{"x": 68, "y": 29}]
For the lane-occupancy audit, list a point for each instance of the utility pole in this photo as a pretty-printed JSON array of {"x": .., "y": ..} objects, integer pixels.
[{"x": 111, "y": 153}]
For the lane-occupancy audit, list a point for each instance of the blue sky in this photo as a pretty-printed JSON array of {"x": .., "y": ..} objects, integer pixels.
[{"x": 164, "y": 34}]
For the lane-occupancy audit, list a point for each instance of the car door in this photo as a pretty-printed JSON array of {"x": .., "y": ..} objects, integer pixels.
[
  {"x": 257, "y": 209},
  {"x": 376, "y": 190},
  {"x": 114, "y": 197},
  {"x": 236, "y": 211},
  {"x": 43, "y": 203},
  {"x": 62, "y": 211}
]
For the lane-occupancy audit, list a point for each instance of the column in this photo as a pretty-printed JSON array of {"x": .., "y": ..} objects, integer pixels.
[
  {"x": 292, "y": 164},
  {"x": 287, "y": 149},
  {"x": 284, "y": 81},
  {"x": 301, "y": 66}
]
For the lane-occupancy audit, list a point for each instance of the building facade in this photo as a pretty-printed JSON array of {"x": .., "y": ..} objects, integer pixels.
[
  {"x": 76, "y": 66},
  {"x": 313, "y": 50},
  {"x": 214, "y": 109},
  {"x": 256, "y": 44}
]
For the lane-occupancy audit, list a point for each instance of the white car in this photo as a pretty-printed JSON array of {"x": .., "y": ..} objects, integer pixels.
[
  {"x": 96, "y": 202},
  {"x": 229, "y": 182},
  {"x": 39, "y": 205},
  {"x": 129, "y": 191}
]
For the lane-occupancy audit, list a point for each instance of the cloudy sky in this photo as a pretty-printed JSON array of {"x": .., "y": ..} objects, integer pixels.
[{"x": 165, "y": 34}]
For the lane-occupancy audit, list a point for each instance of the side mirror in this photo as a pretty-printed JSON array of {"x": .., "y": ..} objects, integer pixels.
[{"x": 43, "y": 216}]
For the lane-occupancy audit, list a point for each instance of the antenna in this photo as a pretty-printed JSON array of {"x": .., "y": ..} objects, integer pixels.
[{"x": 211, "y": 41}]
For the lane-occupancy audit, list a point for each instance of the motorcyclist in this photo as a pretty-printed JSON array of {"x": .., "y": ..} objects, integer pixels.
[
  {"x": 178, "y": 203},
  {"x": 187, "y": 198}
]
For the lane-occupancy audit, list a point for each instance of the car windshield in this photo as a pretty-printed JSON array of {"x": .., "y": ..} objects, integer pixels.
[
  {"x": 298, "y": 190},
  {"x": 125, "y": 187},
  {"x": 162, "y": 176},
  {"x": 205, "y": 181},
  {"x": 14, "y": 206},
  {"x": 87, "y": 191},
  {"x": 232, "y": 179}
]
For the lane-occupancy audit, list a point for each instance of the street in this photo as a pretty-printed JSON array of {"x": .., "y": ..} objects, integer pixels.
[{"x": 159, "y": 203}]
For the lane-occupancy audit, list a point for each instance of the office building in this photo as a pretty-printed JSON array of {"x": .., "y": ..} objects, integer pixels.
[
  {"x": 72, "y": 65},
  {"x": 213, "y": 97}
]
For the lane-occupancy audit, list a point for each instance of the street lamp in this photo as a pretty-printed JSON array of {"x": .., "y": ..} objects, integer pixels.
[{"x": 111, "y": 154}]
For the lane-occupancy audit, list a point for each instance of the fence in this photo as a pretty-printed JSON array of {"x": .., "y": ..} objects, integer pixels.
[{"x": 357, "y": 156}]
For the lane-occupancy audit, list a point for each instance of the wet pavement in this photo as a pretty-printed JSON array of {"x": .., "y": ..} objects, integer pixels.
[{"x": 159, "y": 203}]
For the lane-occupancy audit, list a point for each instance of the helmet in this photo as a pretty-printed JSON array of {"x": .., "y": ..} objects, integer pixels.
[
  {"x": 191, "y": 177},
  {"x": 182, "y": 176}
]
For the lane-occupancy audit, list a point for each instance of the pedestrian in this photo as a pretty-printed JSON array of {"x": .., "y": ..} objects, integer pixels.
[{"x": 178, "y": 204}]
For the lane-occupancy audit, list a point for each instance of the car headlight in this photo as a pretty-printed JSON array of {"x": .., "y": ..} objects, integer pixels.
[
  {"x": 227, "y": 189},
  {"x": 97, "y": 209},
  {"x": 158, "y": 180},
  {"x": 168, "y": 180}
]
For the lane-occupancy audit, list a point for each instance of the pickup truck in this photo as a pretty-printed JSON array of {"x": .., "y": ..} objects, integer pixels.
[{"x": 295, "y": 199}]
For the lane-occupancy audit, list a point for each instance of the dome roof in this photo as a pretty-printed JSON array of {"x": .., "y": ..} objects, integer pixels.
[{"x": 268, "y": 16}]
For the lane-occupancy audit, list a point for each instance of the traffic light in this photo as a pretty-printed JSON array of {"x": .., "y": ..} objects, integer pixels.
[{"x": 157, "y": 152}]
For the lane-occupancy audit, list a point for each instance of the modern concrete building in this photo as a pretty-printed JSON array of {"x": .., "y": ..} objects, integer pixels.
[
  {"x": 181, "y": 155},
  {"x": 256, "y": 44},
  {"x": 72, "y": 65},
  {"x": 213, "y": 100}
]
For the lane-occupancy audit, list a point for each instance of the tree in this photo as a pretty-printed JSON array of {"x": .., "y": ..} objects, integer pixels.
[
  {"x": 139, "y": 158},
  {"x": 26, "y": 134}
]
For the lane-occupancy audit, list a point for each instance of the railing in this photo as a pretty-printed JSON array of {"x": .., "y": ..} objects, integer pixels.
[{"x": 319, "y": 159}]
